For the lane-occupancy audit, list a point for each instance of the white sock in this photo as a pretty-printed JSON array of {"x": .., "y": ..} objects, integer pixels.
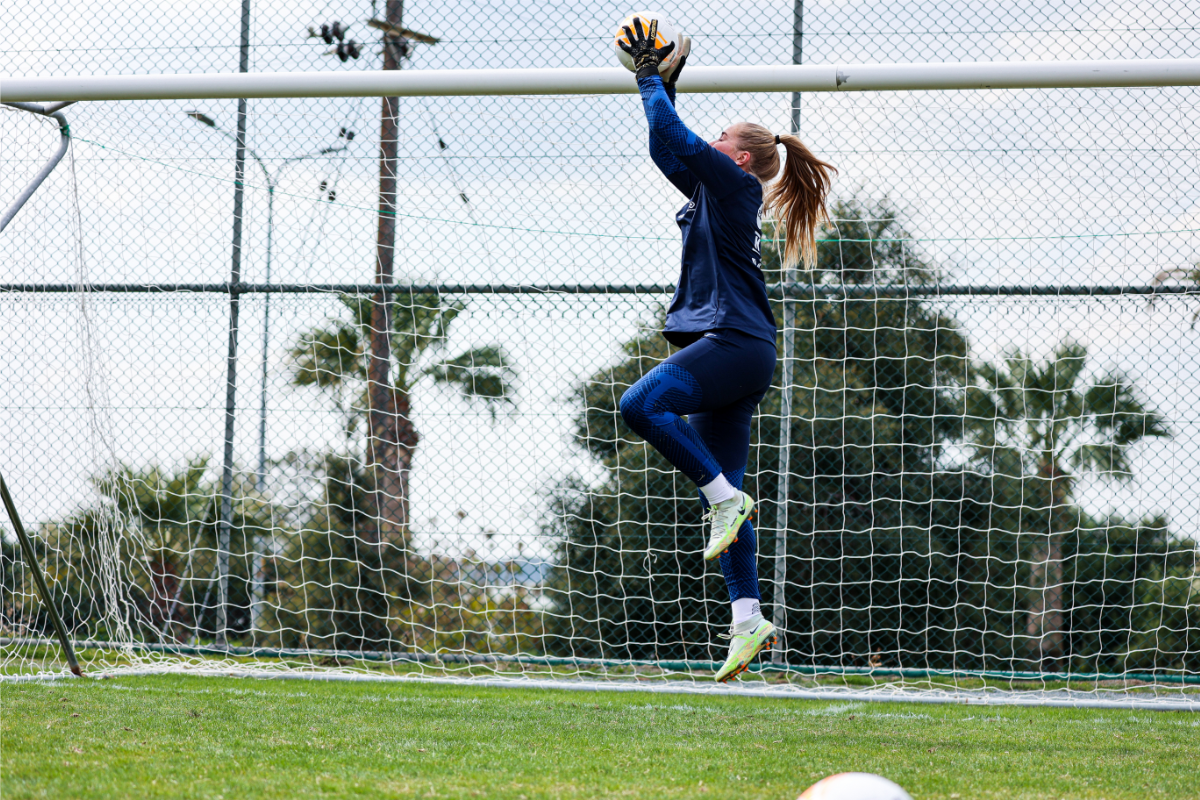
[
  {"x": 718, "y": 490},
  {"x": 744, "y": 608}
]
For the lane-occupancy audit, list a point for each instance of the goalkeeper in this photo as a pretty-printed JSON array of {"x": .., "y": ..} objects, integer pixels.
[{"x": 720, "y": 317}]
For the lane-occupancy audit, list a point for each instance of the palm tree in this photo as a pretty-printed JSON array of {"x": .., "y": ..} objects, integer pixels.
[
  {"x": 1039, "y": 424},
  {"x": 337, "y": 357}
]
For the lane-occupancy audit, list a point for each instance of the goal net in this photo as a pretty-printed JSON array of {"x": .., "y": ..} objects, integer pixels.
[{"x": 974, "y": 467}]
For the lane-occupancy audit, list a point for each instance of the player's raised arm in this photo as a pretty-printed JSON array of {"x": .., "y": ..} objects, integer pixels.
[
  {"x": 674, "y": 147},
  {"x": 675, "y": 170}
]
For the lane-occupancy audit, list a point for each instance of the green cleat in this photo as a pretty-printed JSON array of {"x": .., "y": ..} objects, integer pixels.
[
  {"x": 725, "y": 520},
  {"x": 747, "y": 640}
]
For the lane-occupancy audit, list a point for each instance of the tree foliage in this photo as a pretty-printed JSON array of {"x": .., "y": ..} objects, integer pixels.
[
  {"x": 334, "y": 355},
  {"x": 154, "y": 531}
]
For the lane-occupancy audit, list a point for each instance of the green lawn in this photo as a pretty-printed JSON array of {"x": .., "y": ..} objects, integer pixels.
[{"x": 180, "y": 736}]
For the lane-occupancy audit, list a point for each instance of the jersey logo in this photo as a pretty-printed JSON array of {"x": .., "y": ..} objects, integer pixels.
[{"x": 758, "y": 221}]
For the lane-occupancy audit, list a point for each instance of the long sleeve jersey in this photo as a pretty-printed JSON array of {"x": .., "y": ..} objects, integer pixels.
[{"x": 721, "y": 283}]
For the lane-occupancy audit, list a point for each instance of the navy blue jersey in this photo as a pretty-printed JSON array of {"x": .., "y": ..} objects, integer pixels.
[{"x": 721, "y": 283}]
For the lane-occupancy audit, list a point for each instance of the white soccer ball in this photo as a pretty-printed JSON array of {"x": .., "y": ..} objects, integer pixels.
[
  {"x": 854, "y": 786},
  {"x": 667, "y": 33}
]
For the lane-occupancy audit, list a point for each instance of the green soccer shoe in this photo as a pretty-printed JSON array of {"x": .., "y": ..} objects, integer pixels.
[
  {"x": 747, "y": 640},
  {"x": 724, "y": 521}
]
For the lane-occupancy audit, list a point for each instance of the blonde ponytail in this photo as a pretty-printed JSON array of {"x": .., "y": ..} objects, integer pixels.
[{"x": 797, "y": 198}]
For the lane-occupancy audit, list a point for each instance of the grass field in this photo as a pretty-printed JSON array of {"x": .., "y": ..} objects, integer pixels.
[{"x": 226, "y": 738}]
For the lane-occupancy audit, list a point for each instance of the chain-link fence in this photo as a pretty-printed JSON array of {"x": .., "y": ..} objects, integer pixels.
[{"x": 986, "y": 471}]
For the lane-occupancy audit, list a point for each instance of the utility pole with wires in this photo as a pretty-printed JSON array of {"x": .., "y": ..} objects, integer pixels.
[
  {"x": 391, "y": 436},
  {"x": 387, "y": 420}
]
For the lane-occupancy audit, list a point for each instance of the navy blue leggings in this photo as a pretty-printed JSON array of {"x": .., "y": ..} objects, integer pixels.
[{"x": 717, "y": 381}]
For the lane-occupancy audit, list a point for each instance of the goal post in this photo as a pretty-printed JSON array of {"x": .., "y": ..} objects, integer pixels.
[
  {"x": 575, "y": 81},
  {"x": 972, "y": 467}
]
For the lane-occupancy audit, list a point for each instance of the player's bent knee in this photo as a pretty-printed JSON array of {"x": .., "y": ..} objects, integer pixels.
[{"x": 631, "y": 406}]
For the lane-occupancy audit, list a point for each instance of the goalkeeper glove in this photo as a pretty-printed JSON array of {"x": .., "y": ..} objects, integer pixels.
[
  {"x": 685, "y": 48},
  {"x": 646, "y": 57}
]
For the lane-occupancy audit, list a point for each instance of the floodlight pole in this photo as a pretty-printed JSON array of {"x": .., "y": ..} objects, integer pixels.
[
  {"x": 272, "y": 185},
  {"x": 39, "y": 580}
]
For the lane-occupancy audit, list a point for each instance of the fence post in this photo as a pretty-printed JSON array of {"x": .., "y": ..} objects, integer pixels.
[
  {"x": 779, "y": 600},
  {"x": 235, "y": 276}
]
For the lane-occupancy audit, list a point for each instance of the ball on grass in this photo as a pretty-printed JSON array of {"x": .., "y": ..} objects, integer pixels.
[{"x": 854, "y": 786}]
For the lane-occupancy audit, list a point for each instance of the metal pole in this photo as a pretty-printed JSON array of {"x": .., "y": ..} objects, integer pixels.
[
  {"x": 226, "y": 522},
  {"x": 39, "y": 579},
  {"x": 257, "y": 562},
  {"x": 808, "y": 291},
  {"x": 260, "y": 482},
  {"x": 779, "y": 600},
  {"x": 272, "y": 185},
  {"x": 797, "y": 57}
]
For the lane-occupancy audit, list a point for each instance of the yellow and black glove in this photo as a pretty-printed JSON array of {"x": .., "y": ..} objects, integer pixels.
[{"x": 646, "y": 57}]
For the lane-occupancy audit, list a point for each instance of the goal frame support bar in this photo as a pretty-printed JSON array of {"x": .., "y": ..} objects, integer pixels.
[
  {"x": 64, "y": 133},
  {"x": 614, "y": 80},
  {"x": 39, "y": 580}
]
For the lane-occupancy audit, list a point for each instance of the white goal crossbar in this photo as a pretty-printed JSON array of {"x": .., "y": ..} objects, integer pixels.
[{"x": 698, "y": 79}]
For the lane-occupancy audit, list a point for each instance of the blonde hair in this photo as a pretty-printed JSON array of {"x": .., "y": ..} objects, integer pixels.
[{"x": 797, "y": 198}]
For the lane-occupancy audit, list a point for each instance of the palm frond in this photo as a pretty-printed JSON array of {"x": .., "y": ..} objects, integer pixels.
[
  {"x": 1041, "y": 415},
  {"x": 482, "y": 373},
  {"x": 328, "y": 356}
]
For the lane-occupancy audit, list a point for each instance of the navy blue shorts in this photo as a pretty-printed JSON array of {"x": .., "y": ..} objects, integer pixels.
[{"x": 717, "y": 382}]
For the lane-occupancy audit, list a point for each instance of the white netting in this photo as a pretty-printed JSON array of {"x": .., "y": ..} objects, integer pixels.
[{"x": 918, "y": 535}]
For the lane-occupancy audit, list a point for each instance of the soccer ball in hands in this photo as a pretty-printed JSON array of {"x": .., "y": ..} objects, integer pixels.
[
  {"x": 667, "y": 33},
  {"x": 854, "y": 786}
]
